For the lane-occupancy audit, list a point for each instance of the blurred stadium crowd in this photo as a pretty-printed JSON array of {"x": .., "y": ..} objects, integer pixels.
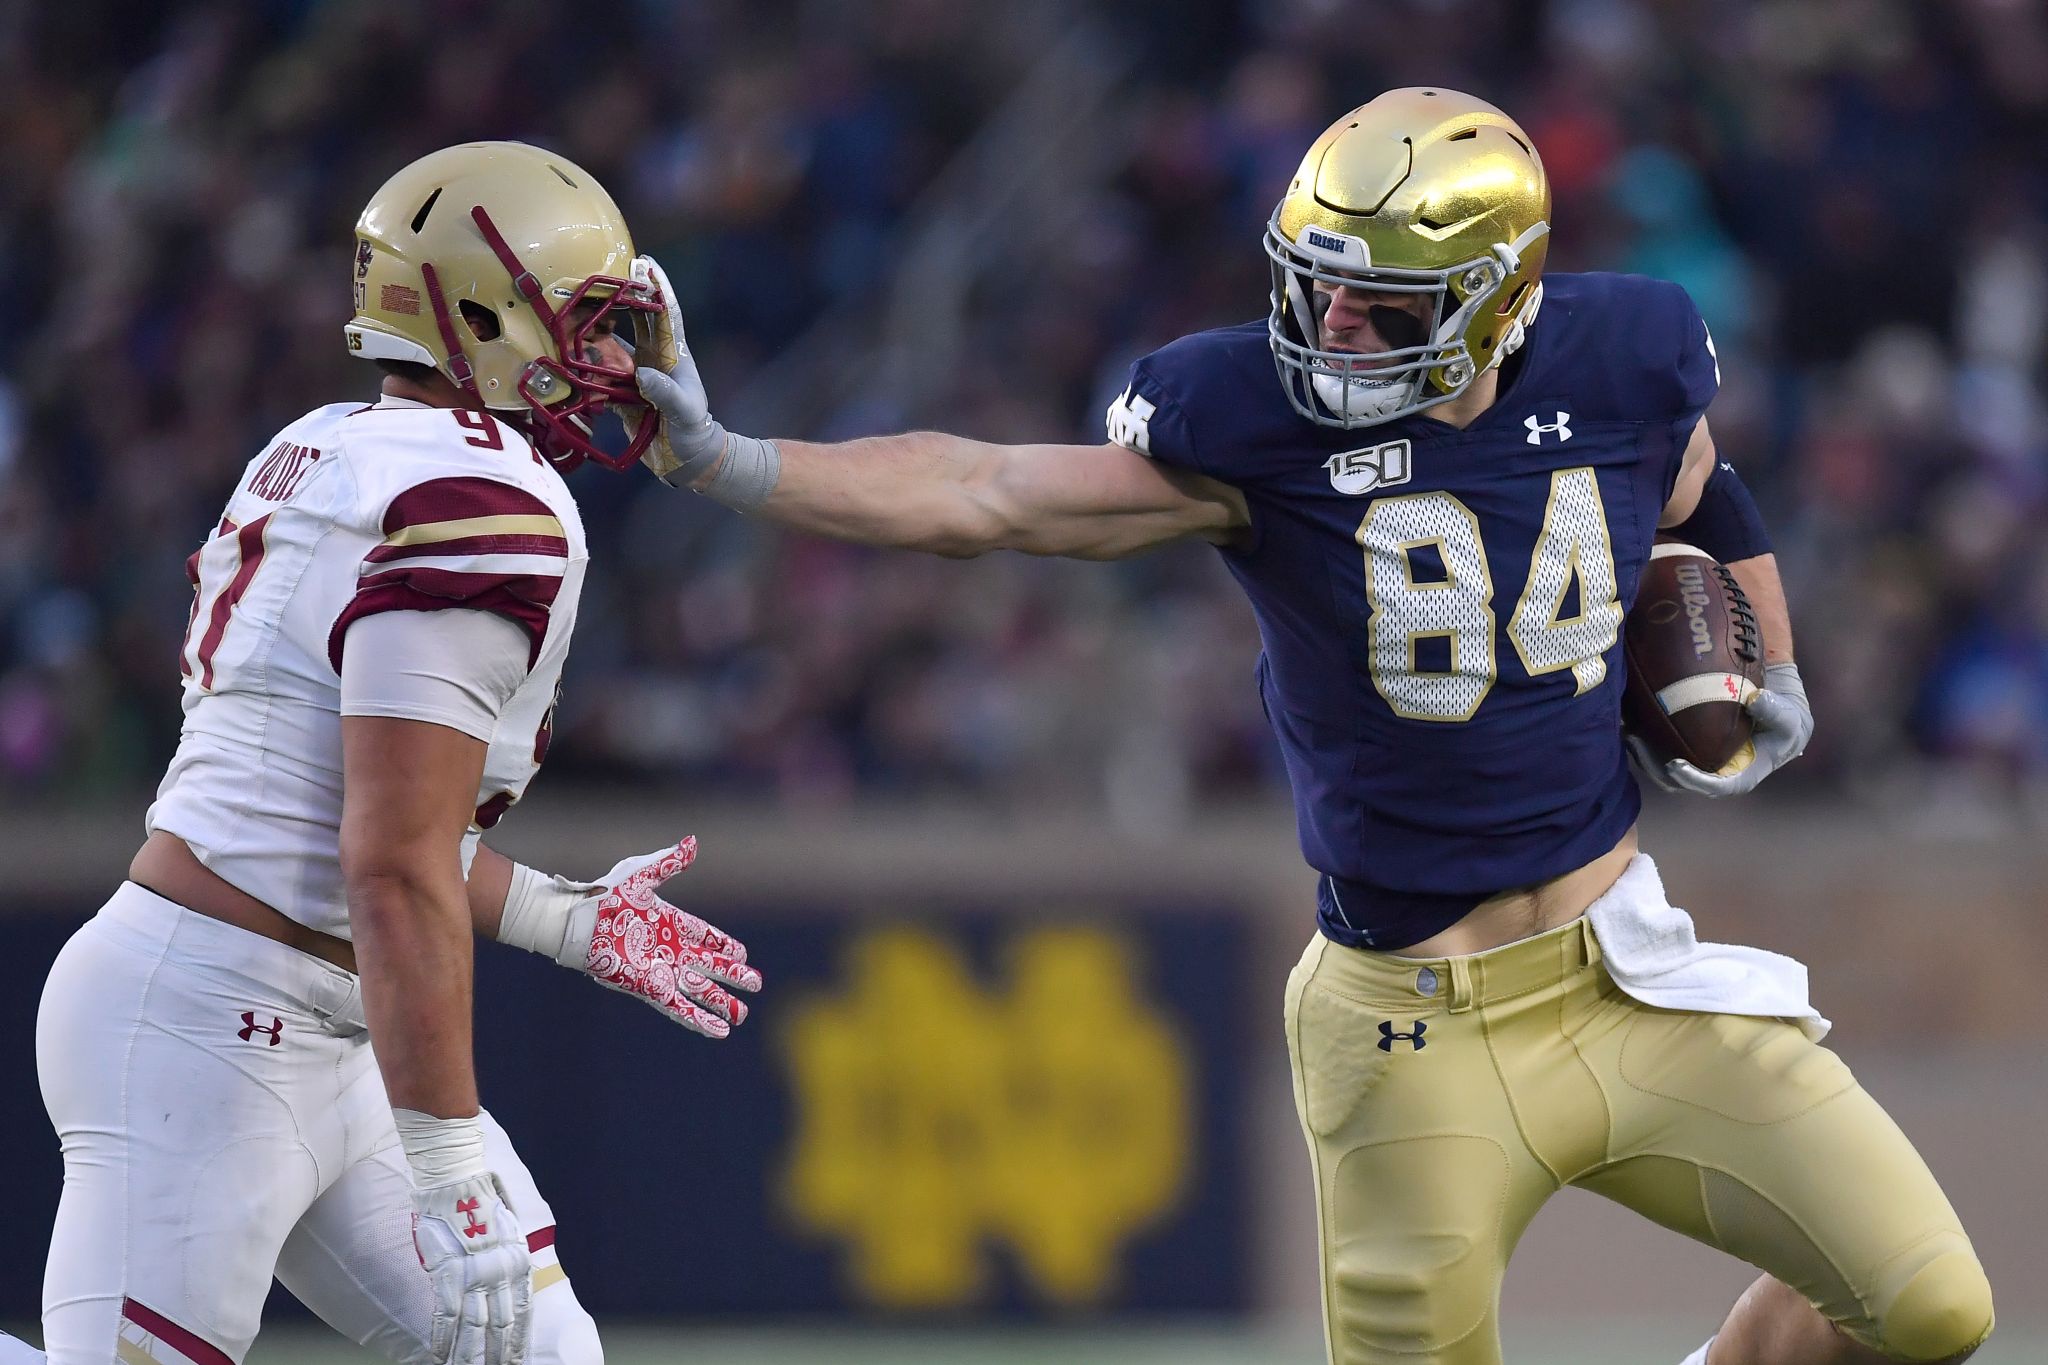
[{"x": 1852, "y": 190}]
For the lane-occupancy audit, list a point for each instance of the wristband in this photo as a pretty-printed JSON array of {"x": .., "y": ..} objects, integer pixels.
[
  {"x": 691, "y": 457},
  {"x": 748, "y": 473},
  {"x": 1726, "y": 524},
  {"x": 440, "y": 1151},
  {"x": 743, "y": 469},
  {"x": 1783, "y": 678},
  {"x": 538, "y": 911}
]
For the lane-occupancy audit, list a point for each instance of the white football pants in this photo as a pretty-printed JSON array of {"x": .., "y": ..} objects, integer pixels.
[{"x": 223, "y": 1121}]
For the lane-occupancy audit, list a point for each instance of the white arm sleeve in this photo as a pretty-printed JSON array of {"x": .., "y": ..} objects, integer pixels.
[{"x": 456, "y": 668}]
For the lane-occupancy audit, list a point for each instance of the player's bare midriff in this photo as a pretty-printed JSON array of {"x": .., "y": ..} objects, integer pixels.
[
  {"x": 166, "y": 865},
  {"x": 1529, "y": 910}
]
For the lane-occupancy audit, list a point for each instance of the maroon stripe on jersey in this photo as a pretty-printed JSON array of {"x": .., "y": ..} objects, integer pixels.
[
  {"x": 521, "y": 544},
  {"x": 540, "y": 1241},
  {"x": 180, "y": 1339},
  {"x": 249, "y": 545},
  {"x": 458, "y": 499},
  {"x": 453, "y": 588},
  {"x": 522, "y": 599},
  {"x": 493, "y": 810}
]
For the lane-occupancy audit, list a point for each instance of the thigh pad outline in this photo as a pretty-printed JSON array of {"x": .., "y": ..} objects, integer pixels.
[
  {"x": 1416, "y": 1248},
  {"x": 1749, "y": 1070}
]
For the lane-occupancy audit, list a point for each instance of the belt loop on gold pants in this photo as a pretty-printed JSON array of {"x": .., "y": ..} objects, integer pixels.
[{"x": 1459, "y": 970}]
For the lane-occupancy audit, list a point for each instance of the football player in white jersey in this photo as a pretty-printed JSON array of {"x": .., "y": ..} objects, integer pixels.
[{"x": 377, "y": 635}]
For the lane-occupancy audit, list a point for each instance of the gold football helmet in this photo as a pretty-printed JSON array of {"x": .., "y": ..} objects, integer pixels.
[
  {"x": 1419, "y": 191},
  {"x": 475, "y": 259}
]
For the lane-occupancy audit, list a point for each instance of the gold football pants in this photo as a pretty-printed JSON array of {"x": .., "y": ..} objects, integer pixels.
[{"x": 1445, "y": 1099}]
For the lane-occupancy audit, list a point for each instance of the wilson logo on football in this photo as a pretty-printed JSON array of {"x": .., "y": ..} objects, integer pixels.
[
  {"x": 1692, "y": 591},
  {"x": 1360, "y": 471}
]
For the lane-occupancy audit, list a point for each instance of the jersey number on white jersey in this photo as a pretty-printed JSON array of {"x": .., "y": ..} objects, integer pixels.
[{"x": 218, "y": 587}]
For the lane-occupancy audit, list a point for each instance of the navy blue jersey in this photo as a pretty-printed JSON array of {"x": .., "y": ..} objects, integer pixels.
[{"x": 1440, "y": 609}]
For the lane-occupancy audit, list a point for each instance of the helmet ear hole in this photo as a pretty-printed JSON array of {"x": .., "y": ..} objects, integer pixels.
[{"x": 482, "y": 321}]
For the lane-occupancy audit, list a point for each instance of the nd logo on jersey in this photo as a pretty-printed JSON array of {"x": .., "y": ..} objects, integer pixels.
[
  {"x": 1361, "y": 471},
  {"x": 1130, "y": 421}
]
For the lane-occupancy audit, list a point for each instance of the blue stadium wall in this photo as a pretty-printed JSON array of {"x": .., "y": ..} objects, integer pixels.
[{"x": 950, "y": 1110}]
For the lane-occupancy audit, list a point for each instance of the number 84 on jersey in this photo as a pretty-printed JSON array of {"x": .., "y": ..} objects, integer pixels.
[{"x": 1428, "y": 583}]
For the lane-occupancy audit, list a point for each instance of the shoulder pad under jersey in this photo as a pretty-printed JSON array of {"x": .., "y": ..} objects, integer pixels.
[
  {"x": 460, "y": 513},
  {"x": 1197, "y": 397},
  {"x": 1635, "y": 347}
]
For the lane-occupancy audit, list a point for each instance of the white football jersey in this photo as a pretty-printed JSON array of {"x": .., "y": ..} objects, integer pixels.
[{"x": 354, "y": 510}]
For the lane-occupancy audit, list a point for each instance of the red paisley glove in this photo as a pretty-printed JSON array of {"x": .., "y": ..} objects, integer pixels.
[
  {"x": 634, "y": 941},
  {"x": 618, "y": 932}
]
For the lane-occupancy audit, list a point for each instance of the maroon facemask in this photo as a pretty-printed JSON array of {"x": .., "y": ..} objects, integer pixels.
[{"x": 562, "y": 430}]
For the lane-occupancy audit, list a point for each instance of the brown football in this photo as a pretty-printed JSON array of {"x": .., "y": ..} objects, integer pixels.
[{"x": 1694, "y": 657}]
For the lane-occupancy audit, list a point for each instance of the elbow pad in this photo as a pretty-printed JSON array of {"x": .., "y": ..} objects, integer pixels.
[{"x": 1726, "y": 524}]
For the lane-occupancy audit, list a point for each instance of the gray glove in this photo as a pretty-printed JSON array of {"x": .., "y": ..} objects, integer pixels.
[
  {"x": 690, "y": 442},
  {"x": 1784, "y": 724}
]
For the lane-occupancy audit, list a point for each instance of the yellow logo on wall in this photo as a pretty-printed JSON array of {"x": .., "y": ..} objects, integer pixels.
[{"x": 934, "y": 1116}]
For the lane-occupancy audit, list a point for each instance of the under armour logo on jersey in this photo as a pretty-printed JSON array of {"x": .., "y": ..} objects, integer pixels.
[
  {"x": 1388, "y": 1037},
  {"x": 1361, "y": 471},
  {"x": 475, "y": 1228},
  {"x": 1537, "y": 429},
  {"x": 250, "y": 1028}
]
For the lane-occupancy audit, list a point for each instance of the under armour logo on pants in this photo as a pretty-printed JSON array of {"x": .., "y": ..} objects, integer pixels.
[
  {"x": 1388, "y": 1037},
  {"x": 250, "y": 1027}
]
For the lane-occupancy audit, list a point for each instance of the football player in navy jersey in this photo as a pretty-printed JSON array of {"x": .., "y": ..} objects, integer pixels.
[{"x": 1440, "y": 510}]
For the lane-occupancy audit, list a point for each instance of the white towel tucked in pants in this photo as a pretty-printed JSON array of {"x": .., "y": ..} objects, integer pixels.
[{"x": 1653, "y": 954}]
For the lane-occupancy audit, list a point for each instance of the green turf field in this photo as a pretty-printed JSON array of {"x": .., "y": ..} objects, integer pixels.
[{"x": 1614, "y": 1344}]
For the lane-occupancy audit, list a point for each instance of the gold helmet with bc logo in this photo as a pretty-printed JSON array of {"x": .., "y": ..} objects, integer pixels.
[
  {"x": 1420, "y": 191},
  {"x": 477, "y": 260}
]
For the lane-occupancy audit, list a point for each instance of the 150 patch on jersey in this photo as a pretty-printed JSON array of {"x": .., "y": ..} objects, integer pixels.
[{"x": 1361, "y": 471}]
